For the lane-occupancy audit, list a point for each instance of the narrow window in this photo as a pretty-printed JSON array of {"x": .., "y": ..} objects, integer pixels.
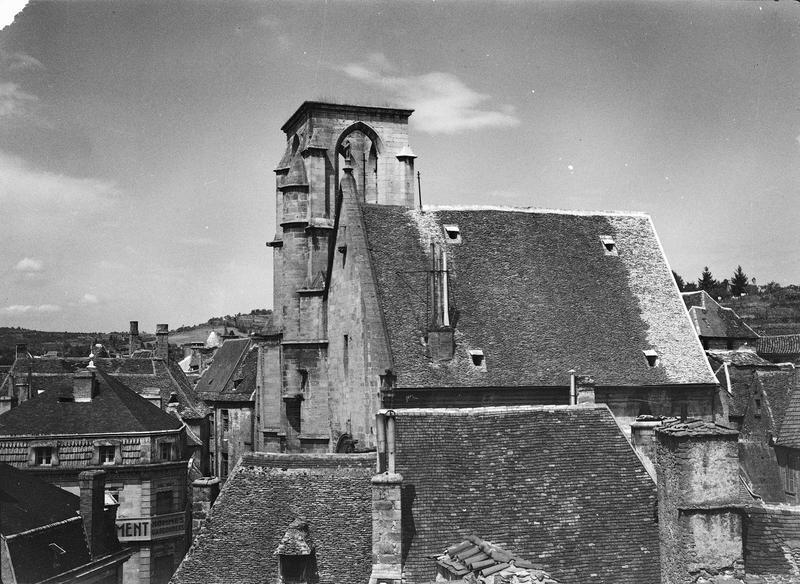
[
  {"x": 477, "y": 357},
  {"x": 43, "y": 455},
  {"x": 758, "y": 408},
  {"x": 346, "y": 354},
  {"x": 163, "y": 502},
  {"x": 791, "y": 463},
  {"x": 107, "y": 454},
  {"x": 609, "y": 245},
  {"x": 293, "y": 569},
  {"x": 226, "y": 421},
  {"x": 651, "y": 356},
  {"x": 165, "y": 451},
  {"x": 224, "y": 470},
  {"x": 452, "y": 233},
  {"x": 303, "y": 380},
  {"x": 293, "y": 414}
]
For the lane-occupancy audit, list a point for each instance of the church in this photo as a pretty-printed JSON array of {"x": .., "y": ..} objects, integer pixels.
[{"x": 380, "y": 302}]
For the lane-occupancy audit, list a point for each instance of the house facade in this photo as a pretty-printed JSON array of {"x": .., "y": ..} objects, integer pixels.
[{"x": 99, "y": 424}]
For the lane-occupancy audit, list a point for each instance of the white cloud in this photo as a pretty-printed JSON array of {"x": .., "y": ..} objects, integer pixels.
[
  {"x": 9, "y": 9},
  {"x": 13, "y": 101},
  {"x": 28, "y": 308},
  {"x": 29, "y": 265},
  {"x": 18, "y": 62},
  {"x": 443, "y": 104},
  {"x": 89, "y": 299}
]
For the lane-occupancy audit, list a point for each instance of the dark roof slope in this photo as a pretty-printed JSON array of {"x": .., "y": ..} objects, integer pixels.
[
  {"x": 772, "y": 545},
  {"x": 140, "y": 375},
  {"x": 232, "y": 374},
  {"x": 537, "y": 293},
  {"x": 712, "y": 320},
  {"x": 549, "y": 482},
  {"x": 778, "y": 387},
  {"x": 263, "y": 496},
  {"x": 115, "y": 409},
  {"x": 789, "y": 433},
  {"x": 27, "y": 502}
]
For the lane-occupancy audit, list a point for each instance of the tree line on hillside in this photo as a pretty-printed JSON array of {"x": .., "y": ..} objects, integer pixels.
[{"x": 737, "y": 285}]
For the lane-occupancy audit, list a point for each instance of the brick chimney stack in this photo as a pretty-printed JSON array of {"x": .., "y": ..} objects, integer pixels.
[
  {"x": 162, "y": 342},
  {"x": 699, "y": 511},
  {"x": 92, "y": 488},
  {"x": 134, "y": 341},
  {"x": 584, "y": 389},
  {"x": 387, "y": 559},
  {"x": 84, "y": 386}
]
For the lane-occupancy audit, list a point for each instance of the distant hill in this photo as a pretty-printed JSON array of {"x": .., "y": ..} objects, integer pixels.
[
  {"x": 769, "y": 312},
  {"x": 79, "y": 344}
]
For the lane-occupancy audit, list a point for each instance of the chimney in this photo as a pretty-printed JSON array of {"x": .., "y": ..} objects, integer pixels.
[
  {"x": 21, "y": 350},
  {"x": 84, "y": 386},
  {"x": 643, "y": 440},
  {"x": 92, "y": 485},
  {"x": 134, "y": 342},
  {"x": 699, "y": 508},
  {"x": 204, "y": 493},
  {"x": 584, "y": 389},
  {"x": 162, "y": 342},
  {"x": 387, "y": 565}
]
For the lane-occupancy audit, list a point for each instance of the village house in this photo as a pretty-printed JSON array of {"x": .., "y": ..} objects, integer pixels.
[
  {"x": 382, "y": 303},
  {"x": 718, "y": 327},
  {"x": 50, "y": 535},
  {"x": 151, "y": 374},
  {"x": 97, "y": 423},
  {"x": 228, "y": 387}
]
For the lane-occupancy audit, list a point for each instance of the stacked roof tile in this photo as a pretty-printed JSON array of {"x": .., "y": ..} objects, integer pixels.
[
  {"x": 481, "y": 561},
  {"x": 772, "y": 545},
  {"x": 264, "y": 497},
  {"x": 548, "y": 482},
  {"x": 536, "y": 292},
  {"x": 779, "y": 347}
]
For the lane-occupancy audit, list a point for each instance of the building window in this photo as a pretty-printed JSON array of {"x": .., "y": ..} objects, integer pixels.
[
  {"x": 452, "y": 233},
  {"x": 346, "y": 354},
  {"x": 43, "y": 455},
  {"x": 226, "y": 421},
  {"x": 223, "y": 471},
  {"x": 651, "y": 356},
  {"x": 758, "y": 408},
  {"x": 609, "y": 245},
  {"x": 108, "y": 454},
  {"x": 791, "y": 464},
  {"x": 164, "y": 502},
  {"x": 165, "y": 450},
  {"x": 293, "y": 414},
  {"x": 303, "y": 380},
  {"x": 477, "y": 357},
  {"x": 293, "y": 569}
]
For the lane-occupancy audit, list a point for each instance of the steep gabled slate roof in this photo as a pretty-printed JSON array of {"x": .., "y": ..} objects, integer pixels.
[
  {"x": 232, "y": 374},
  {"x": 779, "y": 346},
  {"x": 789, "y": 433},
  {"x": 559, "y": 485},
  {"x": 536, "y": 291},
  {"x": 261, "y": 499},
  {"x": 712, "y": 320},
  {"x": 140, "y": 375},
  {"x": 115, "y": 409},
  {"x": 778, "y": 387}
]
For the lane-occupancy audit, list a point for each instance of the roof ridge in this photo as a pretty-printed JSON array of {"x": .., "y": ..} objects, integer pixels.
[{"x": 542, "y": 210}]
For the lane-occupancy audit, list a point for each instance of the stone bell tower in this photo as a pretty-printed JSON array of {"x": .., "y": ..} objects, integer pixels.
[{"x": 323, "y": 142}]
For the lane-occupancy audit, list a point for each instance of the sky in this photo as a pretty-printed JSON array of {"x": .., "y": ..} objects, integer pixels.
[{"x": 138, "y": 139}]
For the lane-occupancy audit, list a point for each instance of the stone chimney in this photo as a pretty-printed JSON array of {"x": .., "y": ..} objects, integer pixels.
[
  {"x": 643, "y": 440},
  {"x": 387, "y": 559},
  {"x": 162, "y": 342},
  {"x": 584, "y": 389},
  {"x": 84, "y": 386},
  {"x": 95, "y": 524},
  {"x": 135, "y": 341},
  {"x": 204, "y": 493},
  {"x": 21, "y": 350},
  {"x": 699, "y": 507}
]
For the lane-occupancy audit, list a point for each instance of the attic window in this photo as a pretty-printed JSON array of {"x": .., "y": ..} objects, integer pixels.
[
  {"x": 758, "y": 408},
  {"x": 452, "y": 233},
  {"x": 477, "y": 358},
  {"x": 609, "y": 245},
  {"x": 651, "y": 356}
]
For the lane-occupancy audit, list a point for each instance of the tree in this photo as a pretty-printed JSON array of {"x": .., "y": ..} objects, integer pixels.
[
  {"x": 739, "y": 282},
  {"x": 679, "y": 281},
  {"x": 707, "y": 281}
]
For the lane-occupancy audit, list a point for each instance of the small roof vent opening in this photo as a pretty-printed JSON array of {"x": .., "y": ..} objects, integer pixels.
[
  {"x": 651, "y": 356},
  {"x": 477, "y": 358},
  {"x": 609, "y": 245},
  {"x": 452, "y": 233}
]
